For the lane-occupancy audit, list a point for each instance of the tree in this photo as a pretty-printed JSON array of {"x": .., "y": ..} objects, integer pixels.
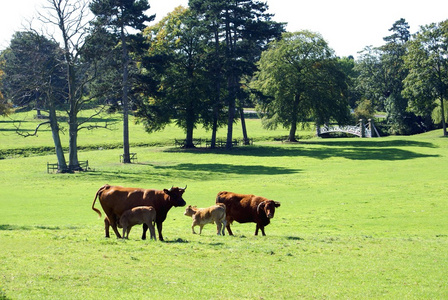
[
  {"x": 5, "y": 106},
  {"x": 239, "y": 31},
  {"x": 182, "y": 79},
  {"x": 35, "y": 78},
  {"x": 427, "y": 60},
  {"x": 303, "y": 81},
  {"x": 118, "y": 16},
  {"x": 71, "y": 20},
  {"x": 393, "y": 52}
]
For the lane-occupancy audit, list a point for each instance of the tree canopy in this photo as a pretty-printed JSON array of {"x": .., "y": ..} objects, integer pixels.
[
  {"x": 427, "y": 82},
  {"x": 302, "y": 80}
]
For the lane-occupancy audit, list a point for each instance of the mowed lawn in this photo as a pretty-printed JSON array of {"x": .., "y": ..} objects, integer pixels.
[{"x": 359, "y": 218}]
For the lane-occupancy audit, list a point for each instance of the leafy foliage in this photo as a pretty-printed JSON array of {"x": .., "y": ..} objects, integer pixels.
[
  {"x": 427, "y": 82},
  {"x": 302, "y": 80}
]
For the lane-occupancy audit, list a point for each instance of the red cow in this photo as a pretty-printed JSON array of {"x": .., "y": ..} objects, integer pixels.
[
  {"x": 247, "y": 208},
  {"x": 117, "y": 199}
]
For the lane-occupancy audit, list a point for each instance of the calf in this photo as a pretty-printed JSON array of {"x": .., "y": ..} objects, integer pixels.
[
  {"x": 202, "y": 216},
  {"x": 138, "y": 215}
]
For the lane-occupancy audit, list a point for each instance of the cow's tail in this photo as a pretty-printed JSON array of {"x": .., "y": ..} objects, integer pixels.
[{"x": 98, "y": 193}]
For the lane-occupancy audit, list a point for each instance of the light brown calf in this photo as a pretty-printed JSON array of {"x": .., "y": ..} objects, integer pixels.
[
  {"x": 202, "y": 216},
  {"x": 138, "y": 215}
]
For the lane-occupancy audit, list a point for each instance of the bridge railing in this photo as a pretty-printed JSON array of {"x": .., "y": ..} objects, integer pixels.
[{"x": 361, "y": 129}]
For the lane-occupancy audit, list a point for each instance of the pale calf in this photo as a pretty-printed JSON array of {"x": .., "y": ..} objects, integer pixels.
[
  {"x": 138, "y": 215},
  {"x": 201, "y": 216}
]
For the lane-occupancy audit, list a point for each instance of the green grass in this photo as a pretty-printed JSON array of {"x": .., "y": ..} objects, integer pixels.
[{"x": 359, "y": 218}]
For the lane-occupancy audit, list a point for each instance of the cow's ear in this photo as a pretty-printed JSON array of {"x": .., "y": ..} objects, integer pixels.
[
  {"x": 277, "y": 204},
  {"x": 166, "y": 191}
]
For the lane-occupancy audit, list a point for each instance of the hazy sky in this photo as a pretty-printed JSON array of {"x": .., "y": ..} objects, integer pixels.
[{"x": 347, "y": 25}]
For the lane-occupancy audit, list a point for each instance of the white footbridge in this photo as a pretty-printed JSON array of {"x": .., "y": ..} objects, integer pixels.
[{"x": 361, "y": 129}]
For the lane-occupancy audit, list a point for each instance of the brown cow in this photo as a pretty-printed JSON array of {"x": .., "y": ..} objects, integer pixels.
[
  {"x": 247, "y": 208},
  {"x": 202, "y": 216},
  {"x": 116, "y": 199},
  {"x": 138, "y": 215}
]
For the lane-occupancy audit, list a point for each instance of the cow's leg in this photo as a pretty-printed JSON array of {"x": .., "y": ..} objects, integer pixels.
[
  {"x": 200, "y": 228},
  {"x": 159, "y": 229},
  {"x": 106, "y": 226},
  {"x": 261, "y": 227},
  {"x": 145, "y": 227},
  {"x": 223, "y": 227},
  {"x": 127, "y": 231},
  {"x": 124, "y": 232},
  {"x": 152, "y": 231},
  {"x": 114, "y": 227},
  {"x": 218, "y": 227},
  {"x": 192, "y": 228},
  {"x": 228, "y": 229}
]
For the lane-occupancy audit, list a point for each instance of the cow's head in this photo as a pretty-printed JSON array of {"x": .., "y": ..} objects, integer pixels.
[
  {"x": 175, "y": 194},
  {"x": 190, "y": 210},
  {"x": 268, "y": 207}
]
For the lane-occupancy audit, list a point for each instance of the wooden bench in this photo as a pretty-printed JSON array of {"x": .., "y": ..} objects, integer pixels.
[
  {"x": 82, "y": 166},
  {"x": 220, "y": 143},
  {"x": 132, "y": 157},
  {"x": 183, "y": 143}
]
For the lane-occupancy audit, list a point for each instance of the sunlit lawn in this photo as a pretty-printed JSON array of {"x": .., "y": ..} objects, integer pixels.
[{"x": 359, "y": 218}]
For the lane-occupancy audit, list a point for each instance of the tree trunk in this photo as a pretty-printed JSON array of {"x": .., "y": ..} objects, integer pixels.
[
  {"x": 126, "y": 155},
  {"x": 62, "y": 164},
  {"x": 231, "y": 117},
  {"x": 243, "y": 126},
  {"x": 73, "y": 143},
  {"x": 294, "y": 114},
  {"x": 292, "y": 132},
  {"x": 215, "y": 127},
  {"x": 442, "y": 108},
  {"x": 190, "y": 127}
]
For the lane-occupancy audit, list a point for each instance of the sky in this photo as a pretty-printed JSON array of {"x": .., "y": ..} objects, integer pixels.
[{"x": 347, "y": 25}]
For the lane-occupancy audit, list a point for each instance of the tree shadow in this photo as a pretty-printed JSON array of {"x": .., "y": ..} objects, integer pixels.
[
  {"x": 371, "y": 143},
  {"x": 354, "y": 150},
  {"x": 191, "y": 171},
  {"x": 231, "y": 169}
]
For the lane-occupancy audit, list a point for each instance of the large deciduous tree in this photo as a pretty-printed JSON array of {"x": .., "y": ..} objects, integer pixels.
[
  {"x": 303, "y": 81},
  {"x": 35, "y": 77},
  {"x": 118, "y": 16},
  {"x": 5, "y": 106},
  {"x": 71, "y": 19},
  {"x": 427, "y": 82}
]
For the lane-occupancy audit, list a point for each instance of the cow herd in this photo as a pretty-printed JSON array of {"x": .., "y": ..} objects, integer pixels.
[{"x": 125, "y": 207}]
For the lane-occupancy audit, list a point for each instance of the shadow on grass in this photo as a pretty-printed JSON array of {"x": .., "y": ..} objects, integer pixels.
[
  {"x": 191, "y": 171},
  {"x": 7, "y": 227},
  {"x": 370, "y": 143},
  {"x": 354, "y": 150},
  {"x": 176, "y": 241},
  {"x": 230, "y": 169}
]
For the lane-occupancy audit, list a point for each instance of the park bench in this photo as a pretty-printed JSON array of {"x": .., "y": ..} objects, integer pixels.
[
  {"x": 83, "y": 166},
  {"x": 132, "y": 157},
  {"x": 183, "y": 142}
]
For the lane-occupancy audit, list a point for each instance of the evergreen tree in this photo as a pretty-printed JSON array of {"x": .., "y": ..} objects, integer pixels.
[
  {"x": 118, "y": 16},
  {"x": 238, "y": 31}
]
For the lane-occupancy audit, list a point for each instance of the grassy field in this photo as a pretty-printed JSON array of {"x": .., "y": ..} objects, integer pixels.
[{"x": 359, "y": 218}]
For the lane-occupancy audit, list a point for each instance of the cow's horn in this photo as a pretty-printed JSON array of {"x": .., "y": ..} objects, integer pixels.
[
  {"x": 259, "y": 205},
  {"x": 183, "y": 188}
]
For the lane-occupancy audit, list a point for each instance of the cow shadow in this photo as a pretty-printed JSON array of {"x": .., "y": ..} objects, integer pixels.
[{"x": 176, "y": 241}]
